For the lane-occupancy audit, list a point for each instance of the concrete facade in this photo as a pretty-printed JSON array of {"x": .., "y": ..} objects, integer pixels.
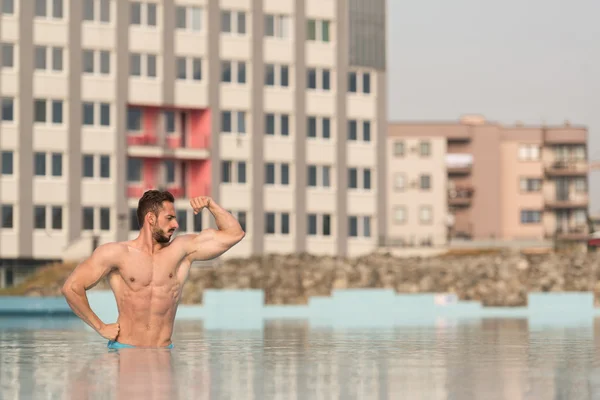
[
  {"x": 506, "y": 183},
  {"x": 417, "y": 188},
  {"x": 242, "y": 100}
]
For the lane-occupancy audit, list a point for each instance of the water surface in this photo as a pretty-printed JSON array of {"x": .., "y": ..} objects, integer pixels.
[{"x": 481, "y": 359}]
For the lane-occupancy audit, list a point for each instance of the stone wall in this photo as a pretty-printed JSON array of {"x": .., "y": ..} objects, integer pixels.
[
  {"x": 495, "y": 279},
  {"x": 501, "y": 279}
]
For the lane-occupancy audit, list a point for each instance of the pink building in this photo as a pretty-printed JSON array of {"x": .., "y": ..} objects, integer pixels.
[{"x": 510, "y": 182}]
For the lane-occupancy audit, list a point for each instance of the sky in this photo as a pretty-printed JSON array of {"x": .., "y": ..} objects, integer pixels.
[{"x": 534, "y": 61}]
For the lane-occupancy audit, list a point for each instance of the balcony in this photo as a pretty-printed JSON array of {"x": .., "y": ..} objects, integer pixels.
[
  {"x": 460, "y": 197},
  {"x": 567, "y": 168},
  {"x": 567, "y": 202},
  {"x": 573, "y": 233},
  {"x": 459, "y": 164},
  {"x": 168, "y": 133}
]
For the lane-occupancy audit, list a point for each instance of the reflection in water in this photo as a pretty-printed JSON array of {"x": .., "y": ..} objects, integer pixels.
[{"x": 489, "y": 358}]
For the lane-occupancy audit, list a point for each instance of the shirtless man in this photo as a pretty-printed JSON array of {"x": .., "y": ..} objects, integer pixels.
[{"x": 147, "y": 274}]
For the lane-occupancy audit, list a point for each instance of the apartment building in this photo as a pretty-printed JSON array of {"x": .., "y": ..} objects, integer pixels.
[
  {"x": 507, "y": 182},
  {"x": 418, "y": 205},
  {"x": 275, "y": 108}
]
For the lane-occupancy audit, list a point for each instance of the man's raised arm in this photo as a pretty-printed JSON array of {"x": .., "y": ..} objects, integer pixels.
[
  {"x": 85, "y": 276},
  {"x": 211, "y": 243}
]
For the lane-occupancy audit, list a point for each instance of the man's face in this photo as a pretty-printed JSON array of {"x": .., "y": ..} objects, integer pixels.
[{"x": 166, "y": 223}]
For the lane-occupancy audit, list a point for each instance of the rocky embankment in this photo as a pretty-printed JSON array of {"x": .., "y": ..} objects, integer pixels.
[{"x": 495, "y": 279}]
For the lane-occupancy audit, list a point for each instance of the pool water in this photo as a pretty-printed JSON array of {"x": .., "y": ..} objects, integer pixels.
[{"x": 45, "y": 358}]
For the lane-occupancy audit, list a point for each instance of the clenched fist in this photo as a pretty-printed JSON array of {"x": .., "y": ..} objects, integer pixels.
[
  {"x": 110, "y": 331},
  {"x": 198, "y": 203}
]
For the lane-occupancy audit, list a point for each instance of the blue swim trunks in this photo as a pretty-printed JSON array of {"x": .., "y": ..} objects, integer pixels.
[{"x": 116, "y": 345}]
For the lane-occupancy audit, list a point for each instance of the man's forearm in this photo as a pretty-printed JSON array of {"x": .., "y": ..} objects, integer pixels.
[
  {"x": 224, "y": 220},
  {"x": 81, "y": 307}
]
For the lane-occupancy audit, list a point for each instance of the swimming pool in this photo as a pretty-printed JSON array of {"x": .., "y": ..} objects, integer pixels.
[{"x": 486, "y": 358}]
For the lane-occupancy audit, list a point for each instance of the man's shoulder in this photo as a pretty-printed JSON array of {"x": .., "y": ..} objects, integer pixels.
[{"x": 111, "y": 249}]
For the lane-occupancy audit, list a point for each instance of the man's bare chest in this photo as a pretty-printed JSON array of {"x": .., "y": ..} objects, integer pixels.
[{"x": 149, "y": 273}]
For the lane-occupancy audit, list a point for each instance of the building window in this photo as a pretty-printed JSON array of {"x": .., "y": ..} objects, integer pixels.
[
  {"x": 270, "y": 223},
  {"x": 138, "y": 61},
  {"x": 87, "y": 220},
  {"x": 425, "y": 182},
  {"x": 233, "y": 121},
  {"x": 531, "y": 217},
  {"x": 241, "y": 172},
  {"x": 104, "y": 219},
  {"x": 399, "y": 182},
  {"x": 233, "y": 171},
  {"x": 367, "y": 178},
  {"x": 529, "y": 152},
  {"x": 352, "y": 130},
  {"x": 353, "y": 181},
  {"x": 105, "y": 166},
  {"x": 48, "y": 58},
  {"x": 48, "y": 9},
  {"x": 134, "y": 120},
  {"x": 96, "y": 10},
  {"x": 133, "y": 220},
  {"x": 270, "y": 173},
  {"x": 400, "y": 215},
  {"x": 352, "y": 82},
  {"x": 231, "y": 69},
  {"x": 8, "y": 58},
  {"x": 318, "y": 79},
  {"x": 39, "y": 217},
  {"x": 188, "y": 18},
  {"x": 399, "y": 149},
  {"x": 8, "y": 109},
  {"x": 188, "y": 68},
  {"x": 134, "y": 170},
  {"x": 88, "y": 166},
  {"x": 354, "y": 79},
  {"x": 277, "y": 220},
  {"x": 7, "y": 216},
  {"x": 96, "y": 62},
  {"x": 425, "y": 149},
  {"x": 89, "y": 169},
  {"x": 197, "y": 222},
  {"x": 39, "y": 164},
  {"x": 57, "y": 164},
  {"x": 277, "y": 75},
  {"x": 142, "y": 14},
  {"x": 531, "y": 184},
  {"x": 57, "y": 217},
  {"x": 8, "y": 7},
  {"x": 366, "y": 83},
  {"x": 318, "y": 30},
  {"x": 41, "y": 112},
  {"x": 277, "y": 26},
  {"x": 353, "y": 226},
  {"x": 352, "y": 178},
  {"x": 319, "y": 224},
  {"x": 233, "y": 22},
  {"x": 318, "y": 127},
  {"x": 425, "y": 214},
  {"x": 276, "y": 124},
  {"x": 226, "y": 121},
  {"x": 7, "y": 157}
]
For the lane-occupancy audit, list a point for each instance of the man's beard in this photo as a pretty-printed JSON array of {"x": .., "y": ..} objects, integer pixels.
[{"x": 160, "y": 237}]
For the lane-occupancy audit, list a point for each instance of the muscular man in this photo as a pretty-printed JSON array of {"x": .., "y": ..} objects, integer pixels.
[{"x": 147, "y": 274}]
